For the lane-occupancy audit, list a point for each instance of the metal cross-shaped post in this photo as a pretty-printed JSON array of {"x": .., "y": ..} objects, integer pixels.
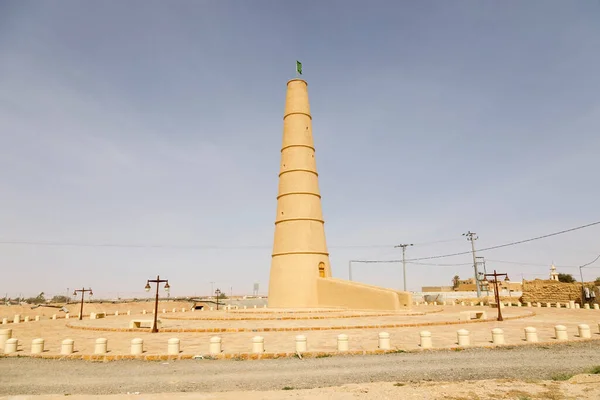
[
  {"x": 82, "y": 290},
  {"x": 158, "y": 281},
  {"x": 496, "y": 292}
]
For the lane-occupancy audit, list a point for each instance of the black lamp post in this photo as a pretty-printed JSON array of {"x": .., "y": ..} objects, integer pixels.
[
  {"x": 218, "y": 293},
  {"x": 497, "y": 294},
  {"x": 158, "y": 281},
  {"x": 82, "y": 290}
]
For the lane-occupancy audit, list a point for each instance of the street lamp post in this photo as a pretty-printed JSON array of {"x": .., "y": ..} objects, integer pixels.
[
  {"x": 158, "y": 281},
  {"x": 496, "y": 292},
  {"x": 218, "y": 293},
  {"x": 82, "y": 290}
]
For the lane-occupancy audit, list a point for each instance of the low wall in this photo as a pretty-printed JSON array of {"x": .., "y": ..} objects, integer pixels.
[
  {"x": 548, "y": 291},
  {"x": 340, "y": 293}
]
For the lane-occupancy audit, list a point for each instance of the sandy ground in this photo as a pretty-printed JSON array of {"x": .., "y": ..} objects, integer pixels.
[{"x": 578, "y": 387}]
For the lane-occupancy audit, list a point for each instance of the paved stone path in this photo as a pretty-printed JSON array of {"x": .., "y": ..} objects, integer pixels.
[{"x": 405, "y": 338}]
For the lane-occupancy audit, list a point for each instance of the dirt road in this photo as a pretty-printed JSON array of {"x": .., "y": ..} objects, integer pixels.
[{"x": 38, "y": 376}]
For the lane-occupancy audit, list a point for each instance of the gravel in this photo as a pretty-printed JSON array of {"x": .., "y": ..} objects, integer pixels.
[{"x": 39, "y": 376}]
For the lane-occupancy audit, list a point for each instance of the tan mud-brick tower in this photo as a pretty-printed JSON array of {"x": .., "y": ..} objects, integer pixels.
[{"x": 300, "y": 269}]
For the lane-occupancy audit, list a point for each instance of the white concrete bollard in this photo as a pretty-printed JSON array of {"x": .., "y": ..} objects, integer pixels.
[
  {"x": 435, "y": 303},
  {"x": 116, "y": 313},
  {"x": 384, "y": 341},
  {"x": 578, "y": 306},
  {"x": 37, "y": 317},
  {"x": 560, "y": 331},
  {"x": 584, "y": 331},
  {"x": 174, "y": 310},
  {"x": 78, "y": 315},
  {"x": 164, "y": 311},
  {"x": 183, "y": 310},
  {"x": 453, "y": 303},
  {"x": 528, "y": 304},
  {"x": 472, "y": 304},
  {"x": 548, "y": 305},
  {"x": 426, "y": 342},
  {"x": 557, "y": 305},
  {"x": 53, "y": 316},
  {"x": 137, "y": 346},
  {"x": 144, "y": 312},
  {"x": 425, "y": 303},
  {"x": 37, "y": 346},
  {"x": 128, "y": 312},
  {"x": 462, "y": 336},
  {"x": 173, "y": 346},
  {"x": 11, "y": 346},
  {"x": 17, "y": 319},
  {"x": 194, "y": 309},
  {"x": 5, "y": 334},
  {"x": 101, "y": 346},
  {"x": 509, "y": 304},
  {"x": 444, "y": 302},
  {"x": 481, "y": 303},
  {"x": 531, "y": 334},
  {"x": 572, "y": 304},
  {"x": 586, "y": 306},
  {"x": 212, "y": 308},
  {"x": 244, "y": 307},
  {"x": 596, "y": 306},
  {"x": 301, "y": 343},
  {"x": 265, "y": 306},
  {"x": 258, "y": 344},
  {"x": 4, "y": 321},
  {"x": 497, "y": 336},
  {"x": 26, "y": 319},
  {"x": 153, "y": 312},
  {"x": 215, "y": 345},
  {"x": 342, "y": 342},
  {"x": 539, "y": 305},
  {"x": 66, "y": 346},
  {"x": 255, "y": 306},
  {"x": 521, "y": 305}
]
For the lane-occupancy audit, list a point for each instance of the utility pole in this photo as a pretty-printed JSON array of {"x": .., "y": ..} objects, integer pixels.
[
  {"x": 404, "y": 246},
  {"x": 471, "y": 237},
  {"x": 350, "y": 270}
]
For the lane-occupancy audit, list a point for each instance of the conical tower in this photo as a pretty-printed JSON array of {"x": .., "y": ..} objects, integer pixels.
[
  {"x": 300, "y": 270},
  {"x": 299, "y": 250}
]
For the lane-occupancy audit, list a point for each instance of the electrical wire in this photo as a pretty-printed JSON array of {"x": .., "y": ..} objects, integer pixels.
[{"x": 485, "y": 248}]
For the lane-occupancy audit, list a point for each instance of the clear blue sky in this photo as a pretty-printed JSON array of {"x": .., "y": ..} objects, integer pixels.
[{"x": 159, "y": 123}]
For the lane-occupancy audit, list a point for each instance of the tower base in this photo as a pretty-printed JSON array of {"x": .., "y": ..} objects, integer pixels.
[{"x": 339, "y": 293}]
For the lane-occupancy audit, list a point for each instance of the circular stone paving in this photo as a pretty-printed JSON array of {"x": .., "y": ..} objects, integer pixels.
[{"x": 280, "y": 328}]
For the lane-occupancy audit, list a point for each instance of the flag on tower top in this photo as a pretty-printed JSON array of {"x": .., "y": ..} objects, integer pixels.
[{"x": 299, "y": 67}]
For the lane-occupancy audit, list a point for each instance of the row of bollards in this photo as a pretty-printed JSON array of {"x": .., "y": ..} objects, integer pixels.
[
  {"x": 17, "y": 318},
  {"x": 463, "y": 335},
  {"x": 571, "y": 304},
  {"x": 258, "y": 342}
]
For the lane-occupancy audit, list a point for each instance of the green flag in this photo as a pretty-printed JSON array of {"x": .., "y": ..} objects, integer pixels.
[{"x": 299, "y": 67}]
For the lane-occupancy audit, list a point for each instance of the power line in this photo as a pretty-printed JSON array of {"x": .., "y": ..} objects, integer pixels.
[
  {"x": 165, "y": 246},
  {"x": 494, "y": 247}
]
